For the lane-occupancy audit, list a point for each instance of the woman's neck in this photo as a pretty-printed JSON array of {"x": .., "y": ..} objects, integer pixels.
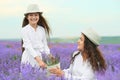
[{"x": 84, "y": 55}]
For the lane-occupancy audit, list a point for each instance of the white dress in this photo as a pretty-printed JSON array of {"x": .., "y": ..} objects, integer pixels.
[
  {"x": 79, "y": 70},
  {"x": 35, "y": 44}
]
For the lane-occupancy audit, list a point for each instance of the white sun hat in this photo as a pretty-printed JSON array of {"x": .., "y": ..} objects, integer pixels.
[
  {"x": 32, "y": 8},
  {"x": 92, "y": 35}
]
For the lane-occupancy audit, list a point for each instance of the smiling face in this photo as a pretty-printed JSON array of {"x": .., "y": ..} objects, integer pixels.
[
  {"x": 33, "y": 18},
  {"x": 81, "y": 43}
]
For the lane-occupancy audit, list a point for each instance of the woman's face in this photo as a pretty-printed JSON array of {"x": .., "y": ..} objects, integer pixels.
[
  {"x": 81, "y": 43},
  {"x": 33, "y": 18}
]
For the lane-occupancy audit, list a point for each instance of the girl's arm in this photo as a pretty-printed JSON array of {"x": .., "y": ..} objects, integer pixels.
[{"x": 27, "y": 45}]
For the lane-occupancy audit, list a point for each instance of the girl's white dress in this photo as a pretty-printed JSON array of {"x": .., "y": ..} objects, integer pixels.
[
  {"x": 35, "y": 44},
  {"x": 79, "y": 69}
]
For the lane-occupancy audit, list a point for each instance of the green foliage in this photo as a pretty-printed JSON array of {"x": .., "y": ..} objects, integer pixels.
[
  {"x": 14, "y": 57},
  {"x": 52, "y": 61},
  {"x": 8, "y": 46}
]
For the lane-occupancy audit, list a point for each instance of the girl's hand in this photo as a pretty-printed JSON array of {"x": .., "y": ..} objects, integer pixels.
[
  {"x": 56, "y": 71},
  {"x": 42, "y": 64},
  {"x": 51, "y": 57}
]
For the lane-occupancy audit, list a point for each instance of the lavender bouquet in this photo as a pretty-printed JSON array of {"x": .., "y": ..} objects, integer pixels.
[{"x": 51, "y": 62}]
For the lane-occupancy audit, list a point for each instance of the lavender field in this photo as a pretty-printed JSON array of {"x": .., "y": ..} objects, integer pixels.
[{"x": 10, "y": 56}]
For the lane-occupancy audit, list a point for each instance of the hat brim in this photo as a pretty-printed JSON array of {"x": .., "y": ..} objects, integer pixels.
[
  {"x": 32, "y": 12},
  {"x": 92, "y": 35}
]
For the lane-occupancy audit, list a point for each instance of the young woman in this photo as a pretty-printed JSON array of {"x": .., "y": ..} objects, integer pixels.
[
  {"x": 86, "y": 61},
  {"x": 34, "y": 42}
]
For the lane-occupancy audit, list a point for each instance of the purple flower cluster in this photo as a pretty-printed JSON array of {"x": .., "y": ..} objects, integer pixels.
[{"x": 10, "y": 57}]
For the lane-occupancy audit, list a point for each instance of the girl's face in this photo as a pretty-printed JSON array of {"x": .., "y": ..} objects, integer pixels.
[
  {"x": 81, "y": 43},
  {"x": 33, "y": 18}
]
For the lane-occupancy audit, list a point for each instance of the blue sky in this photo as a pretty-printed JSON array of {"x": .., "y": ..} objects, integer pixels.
[{"x": 67, "y": 18}]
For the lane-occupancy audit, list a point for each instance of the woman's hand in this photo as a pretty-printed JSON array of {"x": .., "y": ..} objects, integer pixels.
[{"x": 56, "y": 71}]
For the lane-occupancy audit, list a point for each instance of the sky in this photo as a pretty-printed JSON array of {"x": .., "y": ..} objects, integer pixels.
[{"x": 66, "y": 18}]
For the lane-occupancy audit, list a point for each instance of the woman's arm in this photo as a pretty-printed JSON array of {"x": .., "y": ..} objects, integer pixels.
[{"x": 57, "y": 71}]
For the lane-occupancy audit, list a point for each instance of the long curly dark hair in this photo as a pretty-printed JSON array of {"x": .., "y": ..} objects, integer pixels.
[
  {"x": 94, "y": 55},
  {"x": 42, "y": 22}
]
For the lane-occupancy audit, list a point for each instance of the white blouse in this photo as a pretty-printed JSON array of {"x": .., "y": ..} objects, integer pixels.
[
  {"x": 35, "y": 44},
  {"x": 79, "y": 70}
]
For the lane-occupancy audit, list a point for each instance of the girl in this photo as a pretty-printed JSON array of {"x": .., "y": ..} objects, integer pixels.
[{"x": 34, "y": 42}]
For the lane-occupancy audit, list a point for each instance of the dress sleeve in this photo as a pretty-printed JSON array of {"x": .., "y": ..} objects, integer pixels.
[
  {"x": 46, "y": 48},
  {"x": 68, "y": 74},
  {"x": 69, "y": 70},
  {"x": 27, "y": 44}
]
